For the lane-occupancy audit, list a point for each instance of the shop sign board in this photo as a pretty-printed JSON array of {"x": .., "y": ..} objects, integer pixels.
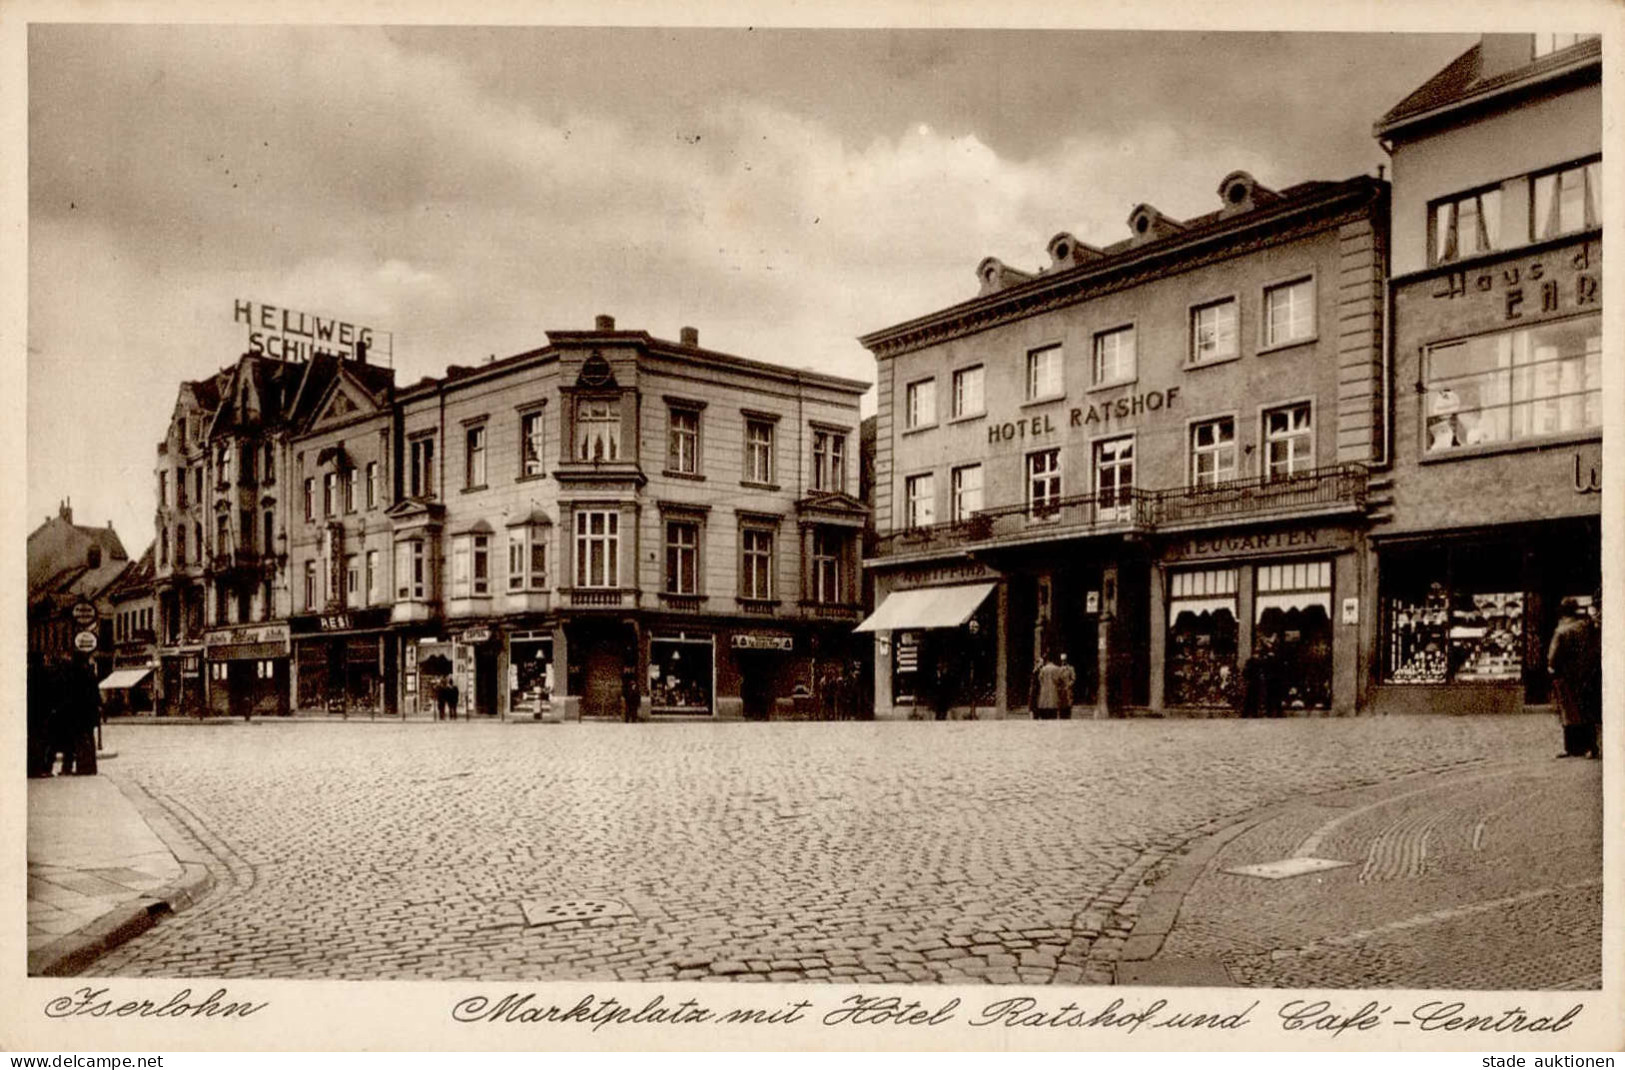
[
  {"x": 940, "y": 575},
  {"x": 761, "y": 641},
  {"x": 247, "y": 634},
  {"x": 285, "y": 334},
  {"x": 477, "y": 635},
  {"x": 1555, "y": 283},
  {"x": 84, "y": 614},
  {"x": 1091, "y": 602},
  {"x": 85, "y": 642},
  {"x": 1100, "y": 416},
  {"x": 1259, "y": 543},
  {"x": 1351, "y": 611}
]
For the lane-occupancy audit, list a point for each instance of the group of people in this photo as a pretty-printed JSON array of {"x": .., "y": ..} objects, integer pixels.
[
  {"x": 1053, "y": 686},
  {"x": 64, "y": 710},
  {"x": 1574, "y": 661}
]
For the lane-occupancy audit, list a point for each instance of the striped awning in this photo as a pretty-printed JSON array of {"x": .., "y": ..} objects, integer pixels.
[{"x": 927, "y": 607}]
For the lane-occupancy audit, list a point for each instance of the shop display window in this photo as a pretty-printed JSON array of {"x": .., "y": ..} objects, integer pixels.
[
  {"x": 1450, "y": 618},
  {"x": 530, "y": 675},
  {"x": 1202, "y": 639},
  {"x": 680, "y": 675},
  {"x": 1292, "y": 609}
]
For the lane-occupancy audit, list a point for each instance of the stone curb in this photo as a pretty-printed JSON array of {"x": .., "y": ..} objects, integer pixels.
[{"x": 77, "y": 950}]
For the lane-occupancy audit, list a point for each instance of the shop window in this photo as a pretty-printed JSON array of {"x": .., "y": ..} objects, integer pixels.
[
  {"x": 1213, "y": 331},
  {"x": 1114, "y": 357},
  {"x": 759, "y": 451},
  {"x": 1044, "y": 373},
  {"x": 680, "y": 675},
  {"x": 828, "y": 572},
  {"x": 474, "y": 457},
  {"x": 1292, "y": 620},
  {"x": 1289, "y": 312},
  {"x": 920, "y": 404},
  {"x": 967, "y": 491},
  {"x": 1043, "y": 484},
  {"x": 682, "y": 557},
  {"x": 1515, "y": 385},
  {"x": 920, "y": 498},
  {"x": 1453, "y": 617},
  {"x": 1567, "y": 200},
  {"x": 756, "y": 571},
  {"x": 598, "y": 429},
  {"x": 1114, "y": 477},
  {"x": 683, "y": 442},
  {"x": 530, "y": 660},
  {"x": 1289, "y": 441},
  {"x": 422, "y": 472},
  {"x": 829, "y": 462},
  {"x": 598, "y": 543},
  {"x": 1213, "y": 451},
  {"x": 530, "y": 444},
  {"x": 968, "y": 393},
  {"x": 1465, "y": 225},
  {"x": 1201, "y": 665}
]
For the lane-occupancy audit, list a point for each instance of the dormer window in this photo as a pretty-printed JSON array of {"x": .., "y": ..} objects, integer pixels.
[{"x": 1547, "y": 43}]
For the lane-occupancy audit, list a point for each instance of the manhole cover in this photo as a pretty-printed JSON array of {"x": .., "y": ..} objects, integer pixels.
[
  {"x": 538, "y": 912},
  {"x": 1286, "y": 867}
]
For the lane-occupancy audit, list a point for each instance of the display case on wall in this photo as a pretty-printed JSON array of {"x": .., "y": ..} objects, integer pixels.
[
  {"x": 1419, "y": 638},
  {"x": 1486, "y": 637}
]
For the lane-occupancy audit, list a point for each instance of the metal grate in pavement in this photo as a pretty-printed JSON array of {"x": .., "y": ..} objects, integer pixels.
[
  {"x": 1286, "y": 867},
  {"x": 537, "y": 912}
]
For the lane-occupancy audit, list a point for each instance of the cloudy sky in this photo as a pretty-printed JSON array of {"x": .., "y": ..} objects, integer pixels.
[{"x": 467, "y": 189}]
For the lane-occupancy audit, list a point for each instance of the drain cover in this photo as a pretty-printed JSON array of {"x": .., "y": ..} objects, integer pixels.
[
  {"x": 1286, "y": 867},
  {"x": 538, "y": 912}
]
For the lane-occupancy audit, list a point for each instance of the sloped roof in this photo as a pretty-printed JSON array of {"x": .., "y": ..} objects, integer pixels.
[{"x": 1464, "y": 79}]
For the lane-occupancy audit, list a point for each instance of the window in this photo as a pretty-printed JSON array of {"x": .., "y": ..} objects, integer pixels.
[
  {"x": 222, "y": 464},
  {"x": 1567, "y": 200},
  {"x": 163, "y": 546},
  {"x": 372, "y": 484},
  {"x": 268, "y": 468},
  {"x": 330, "y": 483},
  {"x": 222, "y": 534},
  {"x": 920, "y": 501},
  {"x": 245, "y": 525},
  {"x": 310, "y": 498},
  {"x": 1289, "y": 441},
  {"x": 1213, "y": 331},
  {"x": 270, "y": 533},
  {"x": 373, "y": 578},
  {"x": 829, "y": 461},
  {"x": 352, "y": 484},
  {"x": 758, "y": 451},
  {"x": 683, "y": 449},
  {"x": 1044, "y": 373},
  {"x": 1466, "y": 225},
  {"x": 1213, "y": 451},
  {"x": 598, "y": 430},
  {"x": 1114, "y": 357},
  {"x": 1114, "y": 477},
  {"x": 1289, "y": 312},
  {"x": 411, "y": 570},
  {"x": 1547, "y": 43},
  {"x": 527, "y": 559},
  {"x": 827, "y": 551},
  {"x": 682, "y": 557},
  {"x": 197, "y": 483},
  {"x": 598, "y": 543},
  {"x": 968, "y": 398},
  {"x": 245, "y": 463},
  {"x": 422, "y": 468},
  {"x": 1043, "y": 481},
  {"x": 471, "y": 566},
  {"x": 352, "y": 577},
  {"x": 1515, "y": 385},
  {"x": 197, "y": 538},
  {"x": 310, "y": 586},
  {"x": 967, "y": 491},
  {"x": 530, "y": 444},
  {"x": 482, "y": 565},
  {"x": 756, "y": 575},
  {"x": 163, "y": 490},
  {"x": 920, "y": 404},
  {"x": 474, "y": 457},
  {"x": 180, "y": 488},
  {"x": 180, "y": 544}
]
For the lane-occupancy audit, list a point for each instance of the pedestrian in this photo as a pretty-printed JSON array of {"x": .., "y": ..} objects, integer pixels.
[
  {"x": 42, "y": 696},
  {"x": 80, "y": 707},
  {"x": 1068, "y": 685},
  {"x": 1049, "y": 690},
  {"x": 1569, "y": 661},
  {"x": 631, "y": 700},
  {"x": 1268, "y": 672},
  {"x": 1594, "y": 677},
  {"x": 454, "y": 697}
]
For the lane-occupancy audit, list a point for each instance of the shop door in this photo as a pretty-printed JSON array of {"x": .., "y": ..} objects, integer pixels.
[
  {"x": 240, "y": 687},
  {"x": 756, "y": 691},
  {"x": 602, "y": 697},
  {"x": 485, "y": 681},
  {"x": 170, "y": 700}
]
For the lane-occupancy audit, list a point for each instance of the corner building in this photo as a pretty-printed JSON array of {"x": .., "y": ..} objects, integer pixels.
[
  {"x": 1153, "y": 457},
  {"x": 614, "y": 506},
  {"x": 1497, "y": 313}
]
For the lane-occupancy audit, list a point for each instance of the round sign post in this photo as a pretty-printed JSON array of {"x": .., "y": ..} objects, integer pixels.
[
  {"x": 84, "y": 614},
  {"x": 85, "y": 642}
]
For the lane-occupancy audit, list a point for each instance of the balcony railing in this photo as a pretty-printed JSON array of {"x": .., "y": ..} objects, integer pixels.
[
  {"x": 602, "y": 597},
  {"x": 1255, "y": 498},
  {"x": 225, "y": 560}
]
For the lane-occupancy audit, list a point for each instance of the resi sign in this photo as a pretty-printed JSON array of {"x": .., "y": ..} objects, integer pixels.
[{"x": 284, "y": 334}]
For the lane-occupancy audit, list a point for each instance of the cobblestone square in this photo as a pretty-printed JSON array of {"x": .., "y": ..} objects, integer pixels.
[{"x": 866, "y": 852}]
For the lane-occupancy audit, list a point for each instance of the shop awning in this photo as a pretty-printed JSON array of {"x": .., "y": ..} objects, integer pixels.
[
  {"x": 1293, "y": 600},
  {"x": 1198, "y": 606},
  {"x": 928, "y": 607},
  {"x": 120, "y": 679}
]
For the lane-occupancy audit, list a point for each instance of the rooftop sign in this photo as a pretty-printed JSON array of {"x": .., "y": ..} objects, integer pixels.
[{"x": 284, "y": 334}]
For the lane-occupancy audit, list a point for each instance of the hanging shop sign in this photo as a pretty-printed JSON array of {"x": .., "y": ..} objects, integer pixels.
[
  {"x": 284, "y": 334},
  {"x": 759, "y": 641}
]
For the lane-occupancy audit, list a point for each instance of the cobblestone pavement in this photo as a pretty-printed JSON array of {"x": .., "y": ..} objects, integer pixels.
[
  {"x": 895, "y": 852},
  {"x": 1483, "y": 879}
]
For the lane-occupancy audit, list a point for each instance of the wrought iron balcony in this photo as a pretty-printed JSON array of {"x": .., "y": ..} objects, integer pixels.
[
  {"x": 229, "y": 560},
  {"x": 1335, "y": 488}
]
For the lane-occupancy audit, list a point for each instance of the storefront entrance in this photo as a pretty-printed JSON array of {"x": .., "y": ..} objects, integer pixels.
[
  {"x": 682, "y": 671},
  {"x": 530, "y": 673}
]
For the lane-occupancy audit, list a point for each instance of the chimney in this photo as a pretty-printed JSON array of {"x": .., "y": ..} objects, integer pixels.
[
  {"x": 690, "y": 336},
  {"x": 65, "y": 510},
  {"x": 604, "y": 323},
  {"x": 1499, "y": 53},
  {"x": 361, "y": 352}
]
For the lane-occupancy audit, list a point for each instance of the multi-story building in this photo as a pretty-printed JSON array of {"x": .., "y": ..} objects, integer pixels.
[
  {"x": 178, "y": 572},
  {"x": 616, "y": 508},
  {"x": 1152, "y": 458},
  {"x": 71, "y": 566},
  {"x": 129, "y": 687},
  {"x": 1497, "y": 360}
]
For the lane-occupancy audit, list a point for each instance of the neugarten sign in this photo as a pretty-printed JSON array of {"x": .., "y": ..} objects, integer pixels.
[
  {"x": 284, "y": 334},
  {"x": 1099, "y": 416}
]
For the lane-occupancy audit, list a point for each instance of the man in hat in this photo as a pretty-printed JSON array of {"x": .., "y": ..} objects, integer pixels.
[{"x": 1570, "y": 660}]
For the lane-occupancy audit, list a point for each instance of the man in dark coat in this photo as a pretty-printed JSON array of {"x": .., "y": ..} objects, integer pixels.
[
  {"x": 631, "y": 700},
  {"x": 1569, "y": 660},
  {"x": 42, "y": 730},
  {"x": 1068, "y": 685},
  {"x": 79, "y": 704},
  {"x": 1049, "y": 690}
]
